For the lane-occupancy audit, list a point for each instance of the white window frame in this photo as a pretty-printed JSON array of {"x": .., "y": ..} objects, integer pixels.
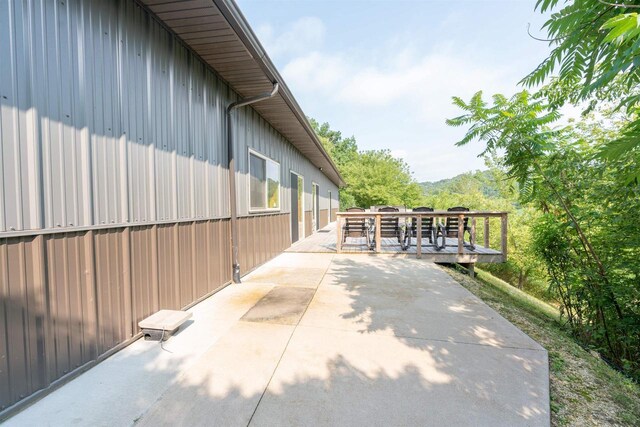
[
  {"x": 266, "y": 193},
  {"x": 291, "y": 171}
]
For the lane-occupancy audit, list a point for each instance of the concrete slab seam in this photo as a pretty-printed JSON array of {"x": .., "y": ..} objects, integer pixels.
[
  {"x": 430, "y": 339},
  {"x": 288, "y": 342}
]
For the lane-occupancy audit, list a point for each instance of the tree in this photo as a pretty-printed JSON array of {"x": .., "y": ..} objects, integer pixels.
[
  {"x": 596, "y": 52},
  {"x": 372, "y": 177},
  {"x": 585, "y": 234},
  {"x": 492, "y": 190},
  {"x": 594, "y": 48},
  {"x": 378, "y": 178},
  {"x": 342, "y": 150}
]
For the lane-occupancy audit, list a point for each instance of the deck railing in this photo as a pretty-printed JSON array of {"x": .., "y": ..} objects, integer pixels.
[{"x": 439, "y": 217}]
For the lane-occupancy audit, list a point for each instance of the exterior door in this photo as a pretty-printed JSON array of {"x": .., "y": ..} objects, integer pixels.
[
  {"x": 300, "y": 206},
  {"x": 315, "y": 195},
  {"x": 297, "y": 212},
  {"x": 295, "y": 236}
]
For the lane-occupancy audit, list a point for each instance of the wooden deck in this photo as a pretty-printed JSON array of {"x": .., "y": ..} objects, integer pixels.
[{"x": 324, "y": 241}]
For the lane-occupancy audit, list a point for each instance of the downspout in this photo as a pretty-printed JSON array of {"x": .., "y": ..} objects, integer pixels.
[{"x": 232, "y": 175}]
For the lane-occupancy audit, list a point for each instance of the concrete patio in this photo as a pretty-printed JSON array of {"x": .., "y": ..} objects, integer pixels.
[{"x": 321, "y": 339}]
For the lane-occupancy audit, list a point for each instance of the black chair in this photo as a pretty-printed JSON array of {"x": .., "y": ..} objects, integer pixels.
[
  {"x": 430, "y": 230},
  {"x": 390, "y": 226},
  {"x": 450, "y": 228},
  {"x": 356, "y": 227}
]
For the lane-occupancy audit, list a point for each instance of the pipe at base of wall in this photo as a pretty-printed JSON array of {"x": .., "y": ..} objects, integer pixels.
[{"x": 233, "y": 211}]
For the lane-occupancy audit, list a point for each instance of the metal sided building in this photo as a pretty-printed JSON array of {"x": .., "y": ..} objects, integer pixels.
[{"x": 115, "y": 186}]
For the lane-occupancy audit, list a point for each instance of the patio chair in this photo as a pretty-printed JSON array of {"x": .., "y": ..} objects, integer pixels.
[
  {"x": 390, "y": 226},
  {"x": 429, "y": 230},
  {"x": 356, "y": 227},
  {"x": 450, "y": 228}
]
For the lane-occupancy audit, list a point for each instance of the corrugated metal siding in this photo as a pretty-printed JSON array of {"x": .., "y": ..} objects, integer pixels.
[
  {"x": 144, "y": 273},
  {"x": 324, "y": 217},
  {"x": 24, "y": 313},
  {"x": 308, "y": 223},
  {"x": 262, "y": 237},
  {"x": 168, "y": 269},
  {"x": 113, "y": 288},
  {"x": 209, "y": 28},
  {"x": 185, "y": 264},
  {"x": 67, "y": 298},
  {"x": 72, "y": 319},
  {"x": 107, "y": 119},
  {"x": 253, "y": 132}
]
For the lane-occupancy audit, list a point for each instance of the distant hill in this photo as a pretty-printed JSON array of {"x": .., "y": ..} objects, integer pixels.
[{"x": 485, "y": 181}]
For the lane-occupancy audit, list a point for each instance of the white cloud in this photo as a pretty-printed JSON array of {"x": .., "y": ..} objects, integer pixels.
[
  {"x": 396, "y": 95},
  {"x": 306, "y": 33},
  {"x": 422, "y": 85},
  {"x": 316, "y": 71},
  {"x": 403, "y": 102}
]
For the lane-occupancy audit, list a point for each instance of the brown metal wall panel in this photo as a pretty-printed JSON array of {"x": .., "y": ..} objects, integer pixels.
[
  {"x": 202, "y": 258},
  {"x": 7, "y": 316},
  {"x": 72, "y": 316},
  {"x": 144, "y": 274},
  {"x": 262, "y": 238},
  {"x": 168, "y": 267},
  {"x": 308, "y": 223},
  {"x": 222, "y": 242},
  {"x": 216, "y": 258},
  {"x": 67, "y": 298},
  {"x": 113, "y": 292},
  {"x": 23, "y": 309},
  {"x": 185, "y": 264},
  {"x": 284, "y": 231},
  {"x": 245, "y": 245},
  {"x": 334, "y": 214},
  {"x": 324, "y": 217},
  {"x": 262, "y": 246}
]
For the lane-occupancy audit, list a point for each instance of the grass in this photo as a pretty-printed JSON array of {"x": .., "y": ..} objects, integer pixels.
[{"x": 584, "y": 390}]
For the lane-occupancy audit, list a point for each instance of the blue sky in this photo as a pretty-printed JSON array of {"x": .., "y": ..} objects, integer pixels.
[{"x": 385, "y": 71}]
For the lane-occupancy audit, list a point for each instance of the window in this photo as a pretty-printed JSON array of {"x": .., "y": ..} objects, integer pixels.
[{"x": 264, "y": 185}]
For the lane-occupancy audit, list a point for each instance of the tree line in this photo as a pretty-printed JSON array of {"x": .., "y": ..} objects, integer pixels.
[
  {"x": 373, "y": 177},
  {"x": 580, "y": 177}
]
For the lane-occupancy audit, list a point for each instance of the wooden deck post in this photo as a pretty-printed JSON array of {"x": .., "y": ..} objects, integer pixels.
[
  {"x": 486, "y": 232},
  {"x": 378, "y": 234},
  {"x": 503, "y": 236},
  {"x": 419, "y": 238},
  {"x": 472, "y": 238},
  {"x": 339, "y": 233},
  {"x": 460, "y": 234}
]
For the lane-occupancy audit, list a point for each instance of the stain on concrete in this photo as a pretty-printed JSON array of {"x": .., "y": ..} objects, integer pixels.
[
  {"x": 282, "y": 305},
  {"x": 248, "y": 298},
  {"x": 305, "y": 277}
]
